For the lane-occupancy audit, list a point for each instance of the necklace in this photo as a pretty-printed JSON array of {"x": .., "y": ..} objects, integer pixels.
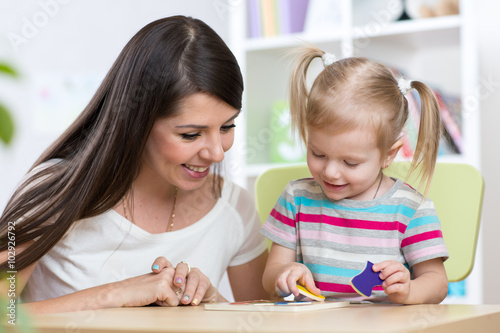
[
  {"x": 379, "y": 183},
  {"x": 172, "y": 216},
  {"x": 171, "y": 225}
]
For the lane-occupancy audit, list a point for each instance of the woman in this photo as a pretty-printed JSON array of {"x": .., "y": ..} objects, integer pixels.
[{"x": 131, "y": 181}]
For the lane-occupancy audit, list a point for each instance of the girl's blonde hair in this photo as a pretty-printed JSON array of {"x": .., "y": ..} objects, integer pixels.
[{"x": 359, "y": 93}]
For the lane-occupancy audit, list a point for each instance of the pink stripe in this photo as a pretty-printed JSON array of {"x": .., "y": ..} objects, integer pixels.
[
  {"x": 425, "y": 252},
  {"x": 280, "y": 233},
  {"x": 335, "y": 287},
  {"x": 421, "y": 237},
  {"x": 341, "y": 288},
  {"x": 282, "y": 218},
  {"x": 350, "y": 240},
  {"x": 351, "y": 223}
]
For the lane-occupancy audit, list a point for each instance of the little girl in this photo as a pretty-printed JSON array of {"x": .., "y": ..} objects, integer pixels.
[{"x": 325, "y": 228}]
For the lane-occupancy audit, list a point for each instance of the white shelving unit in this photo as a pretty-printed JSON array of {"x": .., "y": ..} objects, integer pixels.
[{"x": 439, "y": 51}]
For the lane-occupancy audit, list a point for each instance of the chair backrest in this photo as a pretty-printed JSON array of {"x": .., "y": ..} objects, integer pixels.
[{"x": 456, "y": 190}]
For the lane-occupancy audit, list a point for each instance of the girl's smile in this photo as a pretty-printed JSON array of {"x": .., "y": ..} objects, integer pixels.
[
  {"x": 333, "y": 187},
  {"x": 347, "y": 165}
]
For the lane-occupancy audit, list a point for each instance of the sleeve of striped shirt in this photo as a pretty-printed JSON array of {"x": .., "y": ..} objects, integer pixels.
[
  {"x": 423, "y": 239},
  {"x": 280, "y": 224}
]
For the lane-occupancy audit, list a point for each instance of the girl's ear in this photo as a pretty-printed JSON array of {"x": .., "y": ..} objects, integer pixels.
[{"x": 391, "y": 154}]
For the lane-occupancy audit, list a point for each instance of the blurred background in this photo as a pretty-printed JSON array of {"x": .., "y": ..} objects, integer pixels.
[{"x": 55, "y": 53}]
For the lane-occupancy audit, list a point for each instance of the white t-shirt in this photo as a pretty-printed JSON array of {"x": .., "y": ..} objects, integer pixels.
[{"x": 108, "y": 248}]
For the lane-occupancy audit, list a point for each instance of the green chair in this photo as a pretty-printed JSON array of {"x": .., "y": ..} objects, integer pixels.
[{"x": 456, "y": 190}]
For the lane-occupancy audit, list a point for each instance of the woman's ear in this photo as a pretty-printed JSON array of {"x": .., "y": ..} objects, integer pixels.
[{"x": 392, "y": 153}]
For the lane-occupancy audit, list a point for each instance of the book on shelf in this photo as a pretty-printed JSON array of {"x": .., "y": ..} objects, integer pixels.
[
  {"x": 254, "y": 19},
  {"x": 292, "y": 15},
  {"x": 275, "y": 17},
  {"x": 452, "y": 130},
  {"x": 269, "y": 21}
]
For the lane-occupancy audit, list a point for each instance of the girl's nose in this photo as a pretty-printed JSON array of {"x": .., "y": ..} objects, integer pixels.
[{"x": 332, "y": 171}]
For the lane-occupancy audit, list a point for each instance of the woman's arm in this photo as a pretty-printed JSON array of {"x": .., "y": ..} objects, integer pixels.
[
  {"x": 22, "y": 276},
  {"x": 246, "y": 279},
  {"x": 137, "y": 291}
]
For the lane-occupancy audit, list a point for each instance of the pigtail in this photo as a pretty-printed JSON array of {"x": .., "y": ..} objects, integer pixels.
[
  {"x": 429, "y": 134},
  {"x": 299, "y": 93}
]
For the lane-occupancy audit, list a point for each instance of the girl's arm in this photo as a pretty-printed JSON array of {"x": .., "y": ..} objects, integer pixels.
[
  {"x": 429, "y": 284},
  {"x": 246, "y": 279},
  {"x": 282, "y": 273}
]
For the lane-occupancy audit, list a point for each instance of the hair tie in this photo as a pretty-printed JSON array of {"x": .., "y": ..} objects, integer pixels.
[
  {"x": 404, "y": 85},
  {"x": 328, "y": 59}
]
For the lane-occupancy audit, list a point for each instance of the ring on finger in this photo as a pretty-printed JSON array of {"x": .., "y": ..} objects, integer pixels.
[
  {"x": 178, "y": 292},
  {"x": 189, "y": 267}
]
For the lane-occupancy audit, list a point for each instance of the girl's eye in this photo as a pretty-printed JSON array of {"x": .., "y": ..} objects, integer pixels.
[
  {"x": 227, "y": 128},
  {"x": 351, "y": 165},
  {"x": 189, "y": 136}
]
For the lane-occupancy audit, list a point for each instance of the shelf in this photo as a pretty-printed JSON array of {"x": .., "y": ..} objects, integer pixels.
[
  {"x": 435, "y": 24},
  {"x": 414, "y": 33},
  {"x": 291, "y": 40}
]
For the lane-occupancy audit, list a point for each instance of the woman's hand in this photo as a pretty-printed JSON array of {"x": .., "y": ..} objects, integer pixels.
[
  {"x": 147, "y": 289},
  {"x": 192, "y": 286},
  {"x": 289, "y": 275},
  {"x": 397, "y": 279}
]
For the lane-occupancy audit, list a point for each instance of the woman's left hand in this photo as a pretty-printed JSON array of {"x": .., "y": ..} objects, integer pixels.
[
  {"x": 195, "y": 286},
  {"x": 396, "y": 278}
]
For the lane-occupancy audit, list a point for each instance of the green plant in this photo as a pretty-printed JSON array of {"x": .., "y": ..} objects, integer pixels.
[{"x": 6, "y": 121}]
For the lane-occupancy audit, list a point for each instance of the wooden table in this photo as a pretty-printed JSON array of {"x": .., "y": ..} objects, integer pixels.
[{"x": 356, "y": 318}]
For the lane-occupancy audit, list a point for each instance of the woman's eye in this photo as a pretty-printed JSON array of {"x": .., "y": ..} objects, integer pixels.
[
  {"x": 317, "y": 155},
  {"x": 227, "y": 128},
  {"x": 189, "y": 136}
]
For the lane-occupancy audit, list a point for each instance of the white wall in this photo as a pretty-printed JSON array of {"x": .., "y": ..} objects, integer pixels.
[
  {"x": 67, "y": 46},
  {"x": 489, "y": 89}
]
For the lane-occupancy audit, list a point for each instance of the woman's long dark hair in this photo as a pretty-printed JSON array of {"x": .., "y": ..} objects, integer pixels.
[{"x": 99, "y": 154}]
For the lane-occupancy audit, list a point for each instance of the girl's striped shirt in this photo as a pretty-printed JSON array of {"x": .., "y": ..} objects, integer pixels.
[{"x": 335, "y": 239}]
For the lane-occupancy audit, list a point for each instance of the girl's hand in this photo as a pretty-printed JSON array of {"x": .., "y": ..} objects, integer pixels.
[
  {"x": 396, "y": 280},
  {"x": 191, "y": 285},
  {"x": 291, "y": 274}
]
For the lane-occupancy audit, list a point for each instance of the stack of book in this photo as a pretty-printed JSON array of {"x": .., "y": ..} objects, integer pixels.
[
  {"x": 451, "y": 141},
  {"x": 276, "y": 17},
  {"x": 451, "y": 116}
]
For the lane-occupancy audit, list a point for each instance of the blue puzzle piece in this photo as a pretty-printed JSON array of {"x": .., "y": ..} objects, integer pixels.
[{"x": 364, "y": 282}]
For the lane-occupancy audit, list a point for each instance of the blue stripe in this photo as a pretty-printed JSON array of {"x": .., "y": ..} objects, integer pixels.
[
  {"x": 287, "y": 205},
  {"x": 328, "y": 270},
  {"x": 423, "y": 221},
  {"x": 337, "y": 271},
  {"x": 380, "y": 209}
]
